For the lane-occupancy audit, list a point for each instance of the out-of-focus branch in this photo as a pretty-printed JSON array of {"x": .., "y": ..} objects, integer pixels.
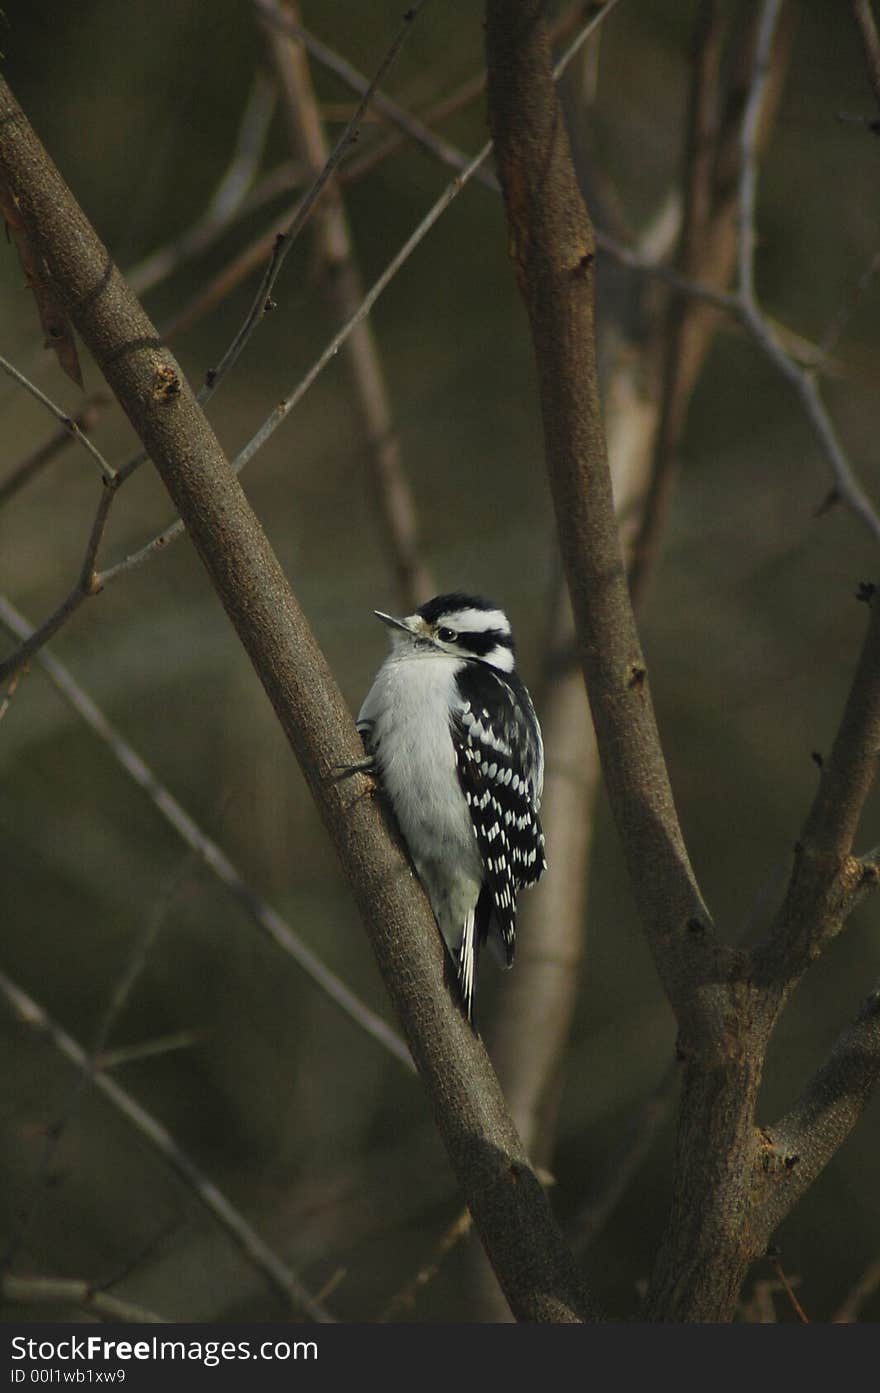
[
  {"x": 598, "y": 1207},
  {"x": 748, "y": 169},
  {"x": 228, "y": 198},
  {"x": 225, "y": 1214},
  {"x": 553, "y": 253},
  {"x": 84, "y": 421},
  {"x": 85, "y": 1296},
  {"x": 262, "y": 302},
  {"x": 86, "y": 1077},
  {"x": 867, "y": 27},
  {"x": 503, "y": 1193},
  {"x": 707, "y": 252},
  {"x": 846, "y": 486},
  {"x": 683, "y": 355},
  {"x": 341, "y": 283},
  {"x": 263, "y": 915},
  {"x": 283, "y": 409},
  {"x": 725, "y": 1009},
  {"x": 850, "y": 1308},
  {"x": 68, "y": 422},
  {"x": 404, "y": 1300},
  {"x": 87, "y": 584},
  {"x": 283, "y": 19}
]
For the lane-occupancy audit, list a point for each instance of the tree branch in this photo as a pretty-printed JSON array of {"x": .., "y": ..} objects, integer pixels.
[
  {"x": 554, "y": 252},
  {"x": 264, "y": 915},
  {"x": 506, "y": 1199},
  {"x": 867, "y": 26},
  {"x": 827, "y": 880},
  {"x": 799, "y": 1146},
  {"x": 341, "y": 283},
  {"x": 248, "y": 1240},
  {"x": 55, "y": 1291}
]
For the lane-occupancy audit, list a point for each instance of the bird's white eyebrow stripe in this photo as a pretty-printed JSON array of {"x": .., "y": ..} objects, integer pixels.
[{"x": 478, "y": 620}]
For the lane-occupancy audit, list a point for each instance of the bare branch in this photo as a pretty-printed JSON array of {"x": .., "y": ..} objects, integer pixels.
[
  {"x": 507, "y": 1201},
  {"x": 846, "y": 485},
  {"x": 256, "y": 253},
  {"x": 287, "y": 404},
  {"x": 748, "y": 173},
  {"x": 119, "y": 996},
  {"x": 226, "y": 1215},
  {"x": 864, "y": 18},
  {"x": 55, "y": 1291},
  {"x": 688, "y": 331},
  {"x": 68, "y": 422},
  {"x": 28, "y": 468},
  {"x": 228, "y": 198},
  {"x": 266, "y": 918},
  {"x": 6, "y": 702},
  {"x": 851, "y": 1307},
  {"x": 596, "y": 1211},
  {"x": 343, "y": 289},
  {"x": 88, "y": 583},
  {"x": 277, "y": 16},
  {"x": 262, "y": 301},
  {"x": 802, "y": 1143},
  {"x": 553, "y": 253},
  {"x": 404, "y": 1300},
  {"x": 827, "y": 880}
]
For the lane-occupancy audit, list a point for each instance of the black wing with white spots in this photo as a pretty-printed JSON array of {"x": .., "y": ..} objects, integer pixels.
[{"x": 500, "y": 762}]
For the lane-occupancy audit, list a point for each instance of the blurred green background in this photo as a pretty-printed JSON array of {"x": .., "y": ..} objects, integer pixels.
[{"x": 751, "y": 628}]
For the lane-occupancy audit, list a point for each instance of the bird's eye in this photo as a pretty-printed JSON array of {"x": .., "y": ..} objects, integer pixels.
[{"x": 447, "y": 635}]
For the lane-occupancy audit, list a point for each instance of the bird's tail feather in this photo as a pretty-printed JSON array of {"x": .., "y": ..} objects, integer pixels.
[{"x": 467, "y": 965}]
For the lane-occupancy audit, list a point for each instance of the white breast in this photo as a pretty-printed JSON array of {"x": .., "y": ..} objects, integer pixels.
[{"x": 407, "y": 711}]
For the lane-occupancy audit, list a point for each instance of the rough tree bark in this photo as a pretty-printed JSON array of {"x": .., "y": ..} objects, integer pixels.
[
  {"x": 733, "y": 1181},
  {"x": 511, "y": 1211}
]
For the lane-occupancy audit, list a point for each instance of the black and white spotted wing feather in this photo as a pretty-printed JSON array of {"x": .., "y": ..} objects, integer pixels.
[{"x": 500, "y": 762}]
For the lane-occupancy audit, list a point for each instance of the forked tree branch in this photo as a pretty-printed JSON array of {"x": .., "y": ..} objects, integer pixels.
[
  {"x": 510, "y": 1208},
  {"x": 255, "y": 1248},
  {"x": 726, "y": 1006},
  {"x": 553, "y": 250},
  {"x": 341, "y": 283}
]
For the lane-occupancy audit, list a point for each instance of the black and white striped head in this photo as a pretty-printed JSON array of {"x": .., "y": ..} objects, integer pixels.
[{"x": 462, "y": 626}]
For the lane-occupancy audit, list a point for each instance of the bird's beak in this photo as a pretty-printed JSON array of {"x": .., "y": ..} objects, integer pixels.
[{"x": 394, "y": 623}]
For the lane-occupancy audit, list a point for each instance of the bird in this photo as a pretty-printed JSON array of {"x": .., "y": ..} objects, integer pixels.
[{"x": 451, "y": 736}]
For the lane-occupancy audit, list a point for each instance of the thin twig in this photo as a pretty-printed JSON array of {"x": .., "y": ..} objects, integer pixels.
[
  {"x": 228, "y": 198},
  {"x": 88, "y": 583},
  {"x": 404, "y": 1300},
  {"x": 687, "y": 331},
  {"x": 119, "y": 996},
  {"x": 148, "y": 1049},
  {"x": 36, "y": 461},
  {"x": 263, "y": 299},
  {"x": 55, "y": 1291},
  {"x": 748, "y": 172},
  {"x": 282, "y": 1277},
  {"x": 846, "y": 486},
  {"x": 633, "y": 1152},
  {"x": 851, "y": 1307},
  {"x": 343, "y": 289},
  {"x": 287, "y": 404},
  {"x": 11, "y": 690},
  {"x": 68, "y": 422},
  {"x": 845, "y": 312},
  {"x": 272, "y": 924},
  {"x": 789, "y": 1291},
  {"x": 414, "y": 129}
]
